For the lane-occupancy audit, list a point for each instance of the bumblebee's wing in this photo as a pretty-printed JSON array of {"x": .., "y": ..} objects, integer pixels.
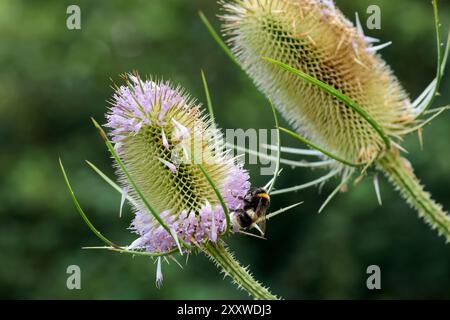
[{"x": 261, "y": 224}]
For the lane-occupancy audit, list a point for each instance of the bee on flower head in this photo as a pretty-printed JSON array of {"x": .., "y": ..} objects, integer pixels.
[{"x": 256, "y": 204}]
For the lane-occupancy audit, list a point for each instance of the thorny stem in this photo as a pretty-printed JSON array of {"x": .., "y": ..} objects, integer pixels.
[
  {"x": 240, "y": 275},
  {"x": 400, "y": 173}
]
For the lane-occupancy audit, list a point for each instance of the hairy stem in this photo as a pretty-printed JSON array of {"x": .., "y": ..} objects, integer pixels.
[
  {"x": 224, "y": 260},
  {"x": 400, "y": 173}
]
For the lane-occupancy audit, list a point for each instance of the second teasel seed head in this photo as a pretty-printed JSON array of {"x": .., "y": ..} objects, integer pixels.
[{"x": 314, "y": 37}]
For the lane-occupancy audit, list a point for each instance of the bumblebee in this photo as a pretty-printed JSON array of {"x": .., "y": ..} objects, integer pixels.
[{"x": 256, "y": 204}]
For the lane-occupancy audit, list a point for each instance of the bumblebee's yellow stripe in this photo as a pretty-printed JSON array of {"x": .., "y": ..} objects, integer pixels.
[{"x": 263, "y": 195}]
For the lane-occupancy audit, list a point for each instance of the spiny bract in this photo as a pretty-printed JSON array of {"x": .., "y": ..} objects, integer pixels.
[
  {"x": 314, "y": 37},
  {"x": 161, "y": 135}
]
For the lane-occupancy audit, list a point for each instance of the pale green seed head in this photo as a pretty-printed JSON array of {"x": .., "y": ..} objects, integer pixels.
[{"x": 314, "y": 37}]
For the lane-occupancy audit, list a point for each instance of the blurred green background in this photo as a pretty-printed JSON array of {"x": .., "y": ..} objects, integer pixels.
[{"x": 53, "y": 79}]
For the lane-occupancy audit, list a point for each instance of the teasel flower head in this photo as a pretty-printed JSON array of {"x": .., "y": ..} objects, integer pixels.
[
  {"x": 328, "y": 80},
  {"x": 161, "y": 135}
]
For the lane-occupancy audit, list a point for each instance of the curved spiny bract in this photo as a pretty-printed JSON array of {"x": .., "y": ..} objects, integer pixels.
[{"x": 315, "y": 38}]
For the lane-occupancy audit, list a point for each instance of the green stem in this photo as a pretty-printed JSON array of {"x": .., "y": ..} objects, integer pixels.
[
  {"x": 231, "y": 267},
  {"x": 401, "y": 175}
]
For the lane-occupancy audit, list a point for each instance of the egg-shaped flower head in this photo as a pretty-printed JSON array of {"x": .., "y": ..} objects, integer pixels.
[
  {"x": 161, "y": 135},
  {"x": 315, "y": 37}
]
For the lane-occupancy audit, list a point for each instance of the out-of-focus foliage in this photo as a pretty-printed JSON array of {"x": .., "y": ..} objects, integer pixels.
[{"x": 53, "y": 79}]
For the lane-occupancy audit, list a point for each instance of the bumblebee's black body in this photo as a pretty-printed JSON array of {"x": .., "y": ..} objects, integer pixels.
[
  {"x": 244, "y": 220},
  {"x": 256, "y": 203}
]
